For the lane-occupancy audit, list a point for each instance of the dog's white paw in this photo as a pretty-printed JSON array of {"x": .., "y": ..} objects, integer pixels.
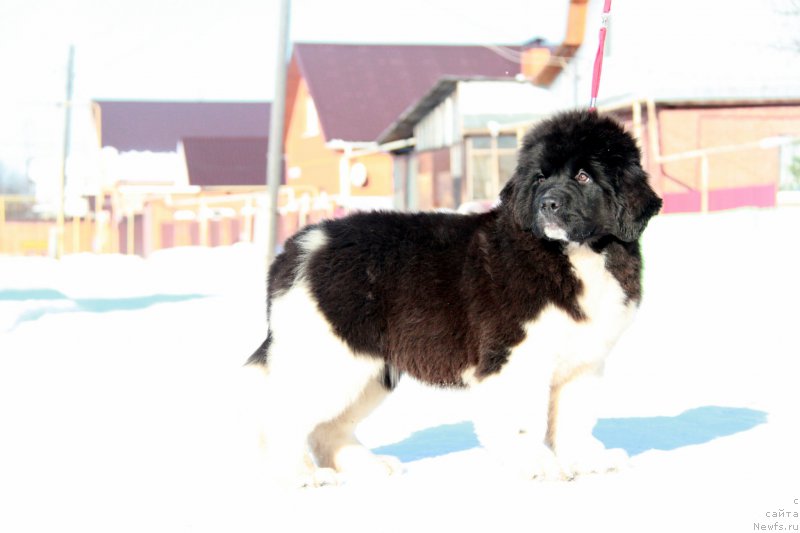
[
  {"x": 535, "y": 461},
  {"x": 544, "y": 464},
  {"x": 316, "y": 477},
  {"x": 307, "y": 476},
  {"x": 591, "y": 458},
  {"x": 391, "y": 464},
  {"x": 361, "y": 464}
]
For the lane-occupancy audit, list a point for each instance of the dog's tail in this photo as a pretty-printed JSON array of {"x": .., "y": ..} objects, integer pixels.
[{"x": 259, "y": 357}]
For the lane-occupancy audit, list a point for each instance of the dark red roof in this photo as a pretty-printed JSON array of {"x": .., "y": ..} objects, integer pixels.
[
  {"x": 158, "y": 126},
  {"x": 360, "y": 90},
  {"x": 219, "y": 162}
]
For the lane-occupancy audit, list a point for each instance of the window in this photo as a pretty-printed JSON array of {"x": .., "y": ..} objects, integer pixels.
[
  {"x": 490, "y": 162},
  {"x": 312, "y": 119},
  {"x": 790, "y": 167}
]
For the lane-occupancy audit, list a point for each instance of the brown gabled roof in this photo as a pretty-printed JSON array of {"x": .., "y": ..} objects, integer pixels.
[
  {"x": 159, "y": 126},
  {"x": 359, "y": 90},
  {"x": 224, "y": 162}
]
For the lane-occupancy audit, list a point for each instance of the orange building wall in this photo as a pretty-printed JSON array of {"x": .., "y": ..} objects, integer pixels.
[
  {"x": 689, "y": 129},
  {"x": 319, "y": 165},
  {"x": 379, "y": 175}
]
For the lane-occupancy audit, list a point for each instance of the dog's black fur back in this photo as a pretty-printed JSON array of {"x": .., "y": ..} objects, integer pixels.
[{"x": 433, "y": 294}]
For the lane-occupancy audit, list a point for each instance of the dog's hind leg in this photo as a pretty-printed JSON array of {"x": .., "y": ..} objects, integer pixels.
[
  {"x": 312, "y": 377},
  {"x": 335, "y": 445},
  {"x": 298, "y": 406}
]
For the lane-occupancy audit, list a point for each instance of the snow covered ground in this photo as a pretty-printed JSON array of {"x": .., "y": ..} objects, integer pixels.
[{"x": 122, "y": 402}]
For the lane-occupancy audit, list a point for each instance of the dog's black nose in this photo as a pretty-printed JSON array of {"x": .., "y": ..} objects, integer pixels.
[{"x": 550, "y": 203}]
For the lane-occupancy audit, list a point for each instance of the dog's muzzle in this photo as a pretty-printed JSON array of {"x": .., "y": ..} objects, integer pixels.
[
  {"x": 549, "y": 207},
  {"x": 551, "y": 203}
]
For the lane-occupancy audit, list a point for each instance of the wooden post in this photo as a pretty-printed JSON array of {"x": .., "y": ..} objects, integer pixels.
[
  {"x": 494, "y": 132},
  {"x": 248, "y": 219},
  {"x": 704, "y": 183},
  {"x": 97, "y": 243},
  {"x": 636, "y": 113},
  {"x": 114, "y": 222},
  {"x": 76, "y": 234},
  {"x": 654, "y": 158},
  {"x": 469, "y": 175},
  {"x": 130, "y": 234},
  {"x": 495, "y": 166},
  {"x": 202, "y": 220},
  {"x": 2, "y": 221}
]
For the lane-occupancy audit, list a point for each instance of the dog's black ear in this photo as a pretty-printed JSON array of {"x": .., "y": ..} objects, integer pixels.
[
  {"x": 516, "y": 199},
  {"x": 637, "y": 204},
  {"x": 507, "y": 193}
]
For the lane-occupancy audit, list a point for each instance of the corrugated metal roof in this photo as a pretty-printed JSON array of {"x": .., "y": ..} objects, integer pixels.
[
  {"x": 231, "y": 161},
  {"x": 159, "y": 126},
  {"x": 403, "y": 126},
  {"x": 528, "y": 101},
  {"x": 360, "y": 90}
]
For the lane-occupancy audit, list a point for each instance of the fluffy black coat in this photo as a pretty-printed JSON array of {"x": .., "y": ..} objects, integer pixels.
[{"x": 434, "y": 294}]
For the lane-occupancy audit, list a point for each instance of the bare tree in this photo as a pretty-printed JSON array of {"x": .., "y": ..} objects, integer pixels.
[
  {"x": 14, "y": 183},
  {"x": 791, "y": 10}
]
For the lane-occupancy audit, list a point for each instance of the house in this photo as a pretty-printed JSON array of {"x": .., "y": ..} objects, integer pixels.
[
  {"x": 465, "y": 135},
  {"x": 341, "y": 97},
  {"x": 226, "y": 164},
  {"x": 457, "y": 145},
  {"x": 718, "y": 129},
  {"x": 179, "y": 172},
  {"x": 715, "y": 153},
  {"x": 714, "y": 106}
]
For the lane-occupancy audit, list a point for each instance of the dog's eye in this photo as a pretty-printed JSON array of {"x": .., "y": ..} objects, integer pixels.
[
  {"x": 583, "y": 177},
  {"x": 540, "y": 177}
]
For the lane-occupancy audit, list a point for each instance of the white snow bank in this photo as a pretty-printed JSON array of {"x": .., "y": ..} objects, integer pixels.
[
  {"x": 182, "y": 270},
  {"x": 133, "y": 419}
]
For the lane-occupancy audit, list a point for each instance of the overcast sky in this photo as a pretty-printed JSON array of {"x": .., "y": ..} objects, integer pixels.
[
  {"x": 225, "y": 49},
  {"x": 205, "y": 50}
]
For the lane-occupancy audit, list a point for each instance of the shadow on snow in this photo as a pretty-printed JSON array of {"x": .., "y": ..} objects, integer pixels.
[
  {"x": 53, "y": 301},
  {"x": 634, "y": 435}
]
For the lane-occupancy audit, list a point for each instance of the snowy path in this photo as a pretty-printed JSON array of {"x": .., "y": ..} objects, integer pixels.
[{"x": 121, "y": 403}]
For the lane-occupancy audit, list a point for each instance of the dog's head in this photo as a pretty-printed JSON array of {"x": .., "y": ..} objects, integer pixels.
[{"x": 579, "y": 177}]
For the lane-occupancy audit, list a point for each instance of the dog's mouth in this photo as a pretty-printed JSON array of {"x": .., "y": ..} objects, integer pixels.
[
  {"x": 551, "y": 228},
  {"x": 555, "y": 232}
]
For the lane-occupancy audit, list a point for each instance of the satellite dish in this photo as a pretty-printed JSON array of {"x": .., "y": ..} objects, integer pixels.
[{"x": 358, "y": 175}]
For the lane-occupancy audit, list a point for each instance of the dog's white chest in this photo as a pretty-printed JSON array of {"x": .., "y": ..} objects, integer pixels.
[{"x": 573, "y": 344}]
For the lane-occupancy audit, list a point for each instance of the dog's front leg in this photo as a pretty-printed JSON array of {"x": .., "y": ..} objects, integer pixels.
[
  {"x": 511, "y": 413},
  {"x": 573, "y": 415}
]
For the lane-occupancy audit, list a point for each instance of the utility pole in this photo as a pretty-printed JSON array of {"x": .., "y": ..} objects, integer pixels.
[
  {"x": 275, "y": 155},
  {"x": 65, "y": 152}
]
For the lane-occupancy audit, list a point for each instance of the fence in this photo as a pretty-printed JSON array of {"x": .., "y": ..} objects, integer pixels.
[{"x": 164, "y": 222}]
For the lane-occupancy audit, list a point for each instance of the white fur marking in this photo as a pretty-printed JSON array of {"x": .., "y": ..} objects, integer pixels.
[
  {"x": 309, "y": 243},
  {"x": 556, "y": 233},
  {"x": 304, "y": 347},
  {"x": 607, "y": 314},
  {"x": 312, "y": 377},
  {"x": 511, "y": 412},
  {"x": 556, "y": 350},
  {"x": 577, "y": 450},
  {"x": 335, "y": 445}
]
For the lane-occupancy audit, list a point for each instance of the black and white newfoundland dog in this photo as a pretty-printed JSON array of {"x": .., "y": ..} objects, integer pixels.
[{"x": 520, "y": 304}]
